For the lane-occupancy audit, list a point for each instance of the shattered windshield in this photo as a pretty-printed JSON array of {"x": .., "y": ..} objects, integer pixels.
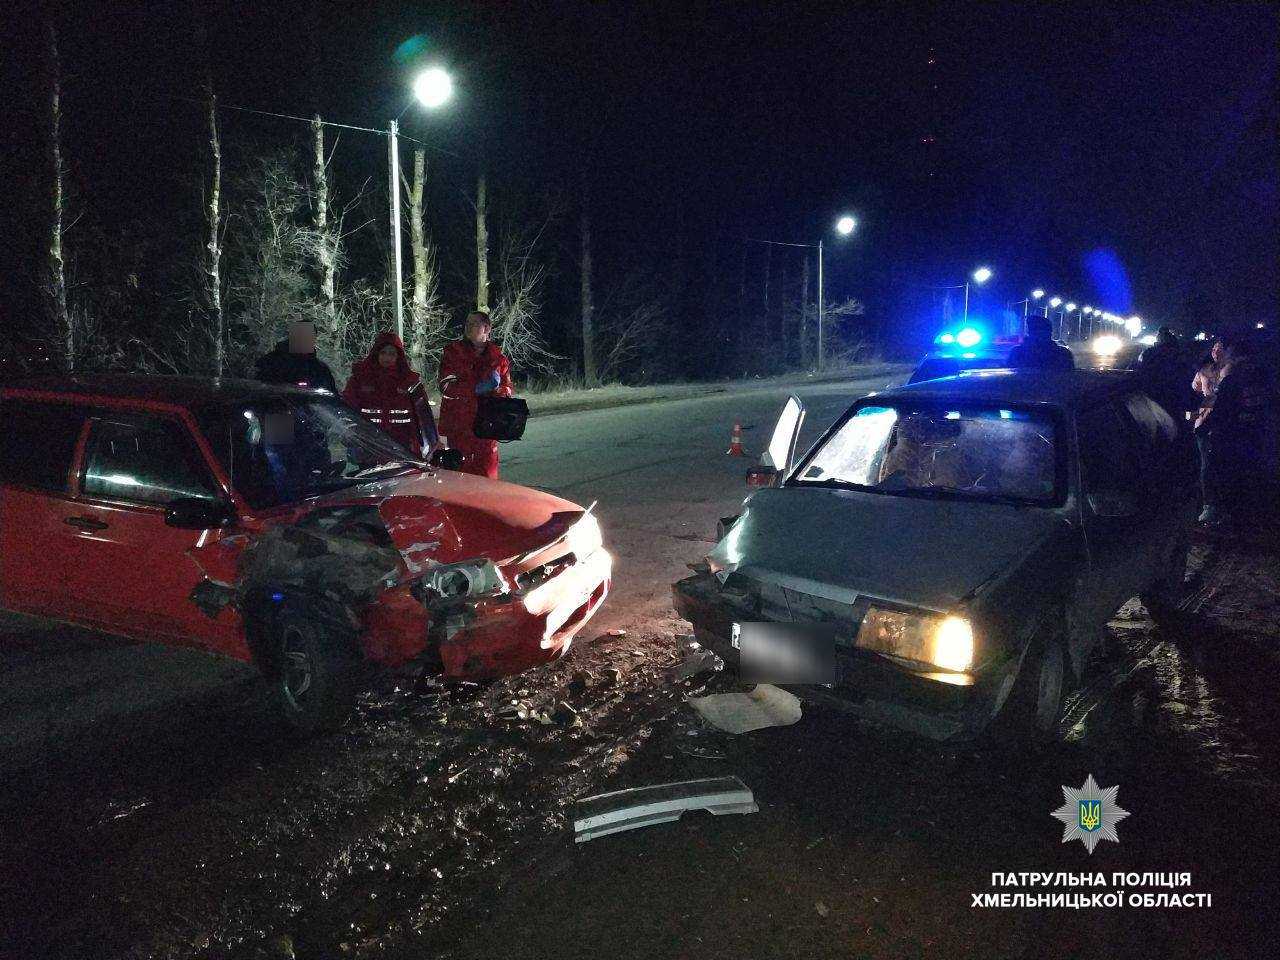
[
  {"x": 285, "y": 449},
  {"x": 980, "y": 452}
]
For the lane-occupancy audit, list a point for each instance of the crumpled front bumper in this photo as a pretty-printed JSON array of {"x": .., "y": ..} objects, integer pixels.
[
  {"x": 513, "y": 633},
  {"x": 867, "y": 685}
]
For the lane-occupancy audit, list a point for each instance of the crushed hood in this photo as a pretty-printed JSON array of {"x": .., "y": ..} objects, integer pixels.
[
  {"x": 444, "y": 516},
  {"x": 842, "y": 543}
]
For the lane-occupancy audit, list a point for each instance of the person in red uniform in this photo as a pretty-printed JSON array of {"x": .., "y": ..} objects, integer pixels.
[
  {"x": 470, "y": 368},
  {"x": 386, "y": 390}
]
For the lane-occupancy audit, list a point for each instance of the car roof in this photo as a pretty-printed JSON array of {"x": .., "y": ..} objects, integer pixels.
[
  {"x": 177, "y": 391},
  {"x": 1021, "y": 386}
]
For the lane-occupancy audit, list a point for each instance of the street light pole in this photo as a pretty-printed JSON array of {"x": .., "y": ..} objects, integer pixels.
[
  {"x": 393, "y": 150},
  {"x": 821, "y": 313}
]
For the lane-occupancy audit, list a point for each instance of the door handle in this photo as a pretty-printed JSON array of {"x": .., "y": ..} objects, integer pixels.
[{"x": 85, "y": 523}]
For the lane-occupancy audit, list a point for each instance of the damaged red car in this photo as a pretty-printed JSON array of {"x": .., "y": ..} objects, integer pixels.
[{"x": 278, "y": 526}]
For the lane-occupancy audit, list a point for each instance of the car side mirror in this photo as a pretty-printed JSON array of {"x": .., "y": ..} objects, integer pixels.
[
  {"x": 1113, "y": 504},
  {"x": 190, "y": 513},
  {"x": 762, "y": 476}
]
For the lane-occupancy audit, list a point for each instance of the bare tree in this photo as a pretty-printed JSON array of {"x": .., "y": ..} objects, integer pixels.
[
  {"x": 429, "y": 320},
  {"x": 482, "y": 244},
  {"x": 517, "y": 313},
  {"x": 633, "y": 322},
  {"x": 213, "y": 245},
  {"x": 326, "y": 252},
  {"x": 55, "y": 285},
  {"x": 589, "y": 372}
]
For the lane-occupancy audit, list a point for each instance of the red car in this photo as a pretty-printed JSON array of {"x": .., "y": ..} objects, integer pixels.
[{"x": 278, "y": 526}]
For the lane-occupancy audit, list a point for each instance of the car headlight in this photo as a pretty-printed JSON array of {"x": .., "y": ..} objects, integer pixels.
[
  {"x": 945, "y": 642},
  {"x": 468, "y": 578},
  {"x": 584, "y": 536}
]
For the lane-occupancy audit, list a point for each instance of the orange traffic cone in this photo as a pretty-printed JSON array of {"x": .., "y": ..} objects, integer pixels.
[{"x": 735, "y": 442}]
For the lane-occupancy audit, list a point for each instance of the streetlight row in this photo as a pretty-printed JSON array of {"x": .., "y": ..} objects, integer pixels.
[{"x": 1133, "y": 325}]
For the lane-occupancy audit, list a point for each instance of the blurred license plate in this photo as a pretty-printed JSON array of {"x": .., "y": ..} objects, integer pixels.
[{"x": 785, "y": 652}]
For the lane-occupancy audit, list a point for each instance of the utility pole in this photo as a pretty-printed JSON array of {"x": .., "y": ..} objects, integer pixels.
[
  {"x": 482, "y": 245},
  {"x": 393, "y": 149},
  {"x": 822, "y": 307}
]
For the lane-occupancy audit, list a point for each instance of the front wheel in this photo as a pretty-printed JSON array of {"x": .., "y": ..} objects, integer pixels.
[
  {"x": 1034, "y": 707},
  {"x": 1164, "y": 597},
  {"x": 314, "y": 686}
]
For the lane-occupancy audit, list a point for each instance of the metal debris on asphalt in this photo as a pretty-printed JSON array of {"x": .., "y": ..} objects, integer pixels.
[{"x": 621, "y": 810}]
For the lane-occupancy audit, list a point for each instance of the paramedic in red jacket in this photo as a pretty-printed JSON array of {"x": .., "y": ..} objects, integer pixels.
[
  {"x": 470, "y": 368},
  {"x": 386, "y": 390}
]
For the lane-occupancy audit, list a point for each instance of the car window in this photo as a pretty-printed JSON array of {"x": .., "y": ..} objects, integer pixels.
[
  {"x": 963, "y": 450},
  {"x": 38, "y": 443},
  {"x": 284, "y": 449},
  {"x": 1110, "y": 457},
  {"x": 144, "y": 460}
]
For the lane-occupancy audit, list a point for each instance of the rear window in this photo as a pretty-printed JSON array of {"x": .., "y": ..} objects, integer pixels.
[{"x": 37, "y": 443}]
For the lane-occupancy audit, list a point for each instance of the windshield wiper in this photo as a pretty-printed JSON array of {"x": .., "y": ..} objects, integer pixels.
[{"x": 378, "y": 468}]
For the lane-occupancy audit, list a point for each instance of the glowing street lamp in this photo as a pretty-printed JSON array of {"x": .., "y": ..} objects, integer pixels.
[
  {"x": 1037, "y": 293},
  {"x": 432, "y": 88},
  {"x": 845, "y": 227},
  {"x": 1056, "y": 302},
  {"x": 979, "y": 276}
]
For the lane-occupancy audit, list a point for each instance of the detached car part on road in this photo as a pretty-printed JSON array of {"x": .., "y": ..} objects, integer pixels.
[
  {"x": 278, "y": 526},
  {"x": 964, "y": 540}
]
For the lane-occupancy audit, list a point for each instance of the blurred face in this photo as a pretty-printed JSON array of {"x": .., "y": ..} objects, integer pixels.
[
  {"x": 302, "y": 337},
  {"x": 1219, "y": 352},
  {"x": 388, "y": 356},
  {"x": 478, "y": 330},
  {"x": 277, "y": 429}
]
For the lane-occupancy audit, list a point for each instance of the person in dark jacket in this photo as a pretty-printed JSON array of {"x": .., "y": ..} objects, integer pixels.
[
  {"x": 387, "y": 390},
  {"x": 1163, "y": 373},
  {"x": 294, "y": 361},
  {"x": 469, "y": 369},
  {"x": 1040, "y": 351},
  {"x": 1238, "y": 433}
]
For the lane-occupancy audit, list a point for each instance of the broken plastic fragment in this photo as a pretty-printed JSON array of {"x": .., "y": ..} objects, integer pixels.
[
  {"x": 621, "y": 810},
  {"x": 765, "y": 706}
]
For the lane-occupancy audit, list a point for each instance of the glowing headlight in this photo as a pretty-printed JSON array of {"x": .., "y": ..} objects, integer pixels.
[
  {"x": 946, "y": 642},
  {"x": 1107, "y": 345},
  {"x": 584, "y": 536}
]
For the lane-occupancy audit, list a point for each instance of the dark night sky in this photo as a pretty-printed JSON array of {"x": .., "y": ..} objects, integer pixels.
[{"x": 1041, "y": 139}]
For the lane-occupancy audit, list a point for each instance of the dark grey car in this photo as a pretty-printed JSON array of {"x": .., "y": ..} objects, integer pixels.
[{"x": 965, "y": 540}]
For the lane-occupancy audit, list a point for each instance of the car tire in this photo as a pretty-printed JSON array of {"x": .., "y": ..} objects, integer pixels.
[
  {"x": 314, "y": 686},
  {"x": 1163, "y": 598},
  {"x": 1031, "y": 713}
]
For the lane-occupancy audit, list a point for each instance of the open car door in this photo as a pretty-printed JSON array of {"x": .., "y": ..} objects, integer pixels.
[{"x": 780, "y": 455}]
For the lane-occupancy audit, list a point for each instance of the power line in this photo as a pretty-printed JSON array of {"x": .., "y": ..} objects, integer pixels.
[{"x": 324, "y": 123}]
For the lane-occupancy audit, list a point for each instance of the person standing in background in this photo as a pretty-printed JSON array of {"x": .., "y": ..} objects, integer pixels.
[
  {"x": 294, "y": 361},
  {"x": 386, "y": 389},
  {"x": 471, "y": 368}
]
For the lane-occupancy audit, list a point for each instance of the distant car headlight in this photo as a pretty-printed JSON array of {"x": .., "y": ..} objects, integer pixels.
[
  {"x": 584, "y": 537},
  {"x": 945, "y": 642},
  {"x": 1107, "y": 345}
]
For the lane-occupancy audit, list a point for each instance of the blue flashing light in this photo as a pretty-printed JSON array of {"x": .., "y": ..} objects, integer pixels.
[
  {"x": 277, "y": 597},
  {"x": 946, "y": 338},
  {"x": 969, "y": 356},
  {"x": 969, "y": 337}
]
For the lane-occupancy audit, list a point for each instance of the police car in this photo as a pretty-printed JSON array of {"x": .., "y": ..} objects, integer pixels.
[{"x": 969, "y": 348}]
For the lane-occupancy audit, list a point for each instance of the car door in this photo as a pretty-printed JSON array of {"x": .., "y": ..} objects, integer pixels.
[
  {"x": 1118, "y": 513},
  {"x": 38, "y": 441},
  {"x": 132, "y": 566}
]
